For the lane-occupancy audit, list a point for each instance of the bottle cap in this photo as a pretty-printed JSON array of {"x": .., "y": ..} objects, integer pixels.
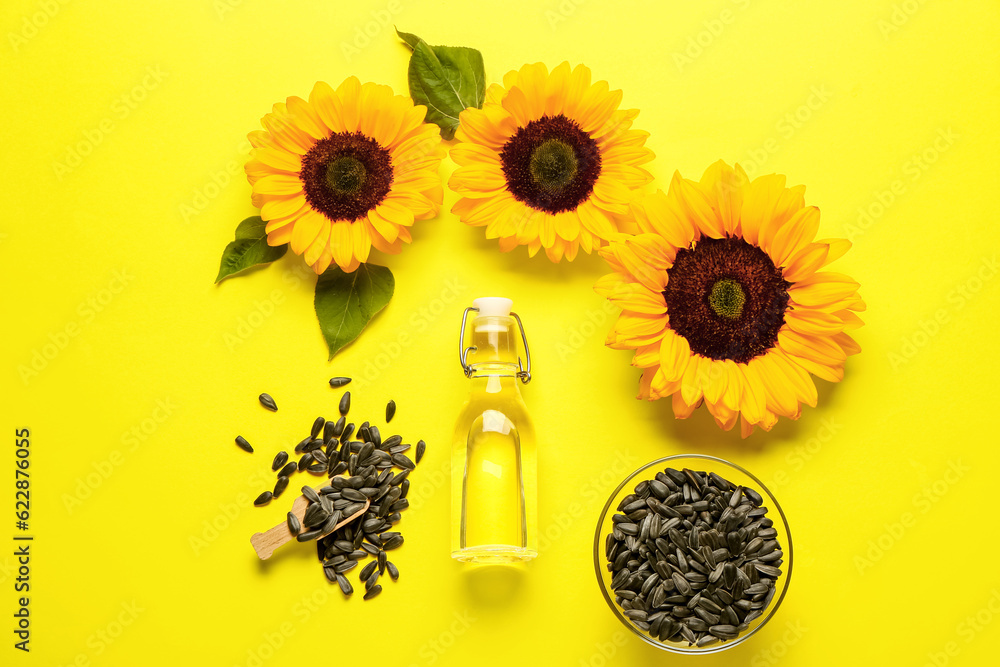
[{"x": 493, "y": 305}]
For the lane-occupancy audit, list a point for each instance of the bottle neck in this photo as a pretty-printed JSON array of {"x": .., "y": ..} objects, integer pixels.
[{"x": 496, "y": 350}]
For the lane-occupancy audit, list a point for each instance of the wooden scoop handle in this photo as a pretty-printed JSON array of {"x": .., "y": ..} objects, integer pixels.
[{"x": 265, "y": 543}]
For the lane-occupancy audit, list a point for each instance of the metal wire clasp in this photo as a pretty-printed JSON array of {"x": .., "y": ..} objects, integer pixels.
[{"x": 523, "y": 371}]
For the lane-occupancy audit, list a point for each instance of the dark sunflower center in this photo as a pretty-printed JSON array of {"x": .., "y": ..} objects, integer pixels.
[
  {"x": 727, "y": 298},
  {"x": 551, "y": 164},
  {"x": 346, "y": 175}
]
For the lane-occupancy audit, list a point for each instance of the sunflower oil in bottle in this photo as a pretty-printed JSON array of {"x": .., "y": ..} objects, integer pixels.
[{"x": 493, "y": 460}]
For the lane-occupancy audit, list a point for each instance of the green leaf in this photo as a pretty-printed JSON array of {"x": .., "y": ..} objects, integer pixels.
[
  {"x": 447, "y": 79},
  {"x": 249, "y": 249},
  {"x": 410, "y": 39},
  {"x": 346, "y": 302}
]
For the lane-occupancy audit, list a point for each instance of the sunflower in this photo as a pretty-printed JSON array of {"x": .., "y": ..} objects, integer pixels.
[
  {"x": 344, "y": 171},
  {"x": 724, "y": 301},
  {"x": 549, "y": 161}
]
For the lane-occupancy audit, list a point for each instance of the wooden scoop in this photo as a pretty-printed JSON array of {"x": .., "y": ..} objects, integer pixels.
[{"x": 265, "y": 543}]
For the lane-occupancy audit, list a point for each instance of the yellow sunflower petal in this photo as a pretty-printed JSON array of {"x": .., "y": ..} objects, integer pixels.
[
  {"x": 793, "y": 235},
  {"x": 328, "y": 106},
  {"x": 724, "y": 186},
  {"x": 305, "y": 231},
  {"x": 315, "y": 249},
  {"x": 806, "y": 262}
]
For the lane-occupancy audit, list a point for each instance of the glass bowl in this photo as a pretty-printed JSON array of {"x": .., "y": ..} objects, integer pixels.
[{"x": 734, "y": 474}]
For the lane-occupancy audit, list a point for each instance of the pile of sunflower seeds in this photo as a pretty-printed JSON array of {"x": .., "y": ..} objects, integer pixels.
[
  {"x": 367, "y": 468},
  {"x": 693, "y": 558}
]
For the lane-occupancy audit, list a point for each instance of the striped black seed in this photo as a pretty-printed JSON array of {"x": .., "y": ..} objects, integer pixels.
[
  {"x": 345, "y": 403},
  {"x": 280, "y": 486},
  {"x": 293, "y": 524},
  {"x": 317, "y": 427},
  {"x": 367, "y": 570},
  {"x": 348, "y": 432},
  {"x": 421, "y": 446},
  {"x": 308, "y": 535},
  {"x": 403, "y": 461},
  {"x": 382, "y": 560},
  {"x": 279, "y": 460},
  {"x": 390, "y": 411},
  {"x": 289, "y": 469},
  {"x": 310, "y": 494},
  {"x": 345, "y": 585},
  {"x": 268, "y": 402},
  {"x": 263, "y": 498},
  {"x": 393, "y": 570},
  {"x": 393, "y": 542},
  {"x": 373, "y": 591},
  {"x": 243, "y": 444},
  {"x": 339, "y": 382}
]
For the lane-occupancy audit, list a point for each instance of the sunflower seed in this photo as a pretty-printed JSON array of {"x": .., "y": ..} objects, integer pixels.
[
  {"x": 280, "y": 486},
  {"x": 263, "y": 498},
  {"x": 317, "y": 427},
  {"x": 308, "y": 535},
  {"x": 403, "y": 461},
  {"x": 243, "y": 444},
  {"x": 345, "y": 585},
  {"x": 421, "y": 446},
  {"x": 390, "y": 411},
  {"x": 293, "y": 524},
  {"x": 268, "y": 402},
  {"x": 279, "y": 460},
  {"x": 345, "y": 403},
  {"x": 372, "y": 592},
  {"x": 339, "y": 382},
  {"x": 393, "y": 570},
  {"x": 289, "y": 469}
]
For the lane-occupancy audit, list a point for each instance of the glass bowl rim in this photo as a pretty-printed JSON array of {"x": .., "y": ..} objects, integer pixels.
[{"x": 599, "y": 558}]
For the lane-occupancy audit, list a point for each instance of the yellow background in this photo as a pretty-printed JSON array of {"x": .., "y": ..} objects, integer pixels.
[{"x": 887, "y": 107}]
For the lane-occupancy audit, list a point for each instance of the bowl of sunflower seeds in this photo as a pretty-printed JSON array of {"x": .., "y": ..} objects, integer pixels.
[{"x": 693, "y": 554}]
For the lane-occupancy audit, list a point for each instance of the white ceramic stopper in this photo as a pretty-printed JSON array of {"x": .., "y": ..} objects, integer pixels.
[{"x": 491, "y": 306}]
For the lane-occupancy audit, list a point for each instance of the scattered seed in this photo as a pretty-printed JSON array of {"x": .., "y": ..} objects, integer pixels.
[
  {"x": 279, "y": 460},
  {"x": 316, "y": 427},
  {"x": 373, "y": 591},
  {"x": 339, "y": 382},
  {"x": 243, "y": 444},
  {"x": 280, "y": 486},
  {"x": 393, "y": 571},
  {"x": 345, "y": 585},
  {"x": 293, "y": 524},
  {"x": 345, "y": 403},
  {"x": 263, "y": 498},
  {"x": 390, "y": 411},
  {"x": 421, "y": 446},
  {"x": 289, "y": 469},
  {"x": 268, "y": 402}
]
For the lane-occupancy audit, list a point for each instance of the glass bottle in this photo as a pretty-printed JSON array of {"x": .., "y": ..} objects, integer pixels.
[{"x": 493, "y": 460}]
